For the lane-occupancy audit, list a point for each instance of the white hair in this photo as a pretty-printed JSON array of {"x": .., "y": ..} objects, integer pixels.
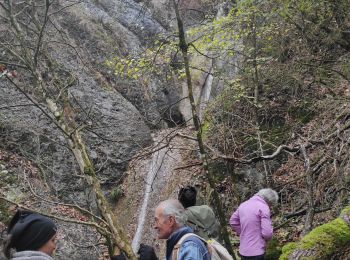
[
  {"x": 172, "y": 207},
  {"x": 269, "y": 195}
]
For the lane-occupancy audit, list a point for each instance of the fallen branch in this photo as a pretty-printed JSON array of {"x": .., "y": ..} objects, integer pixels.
[
  {"x": 188, "y": 166},
  {"x": 303, "y": 212}
]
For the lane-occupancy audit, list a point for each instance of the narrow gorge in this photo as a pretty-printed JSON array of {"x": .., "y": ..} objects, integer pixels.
[{"x": 96, "y": 124}]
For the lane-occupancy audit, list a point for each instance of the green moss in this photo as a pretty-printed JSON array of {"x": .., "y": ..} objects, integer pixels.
[
  {"x": 324, "y": 240},
  {"x": 345, "y": 211},
  {"x": 287, "y": 250},
  {"x": 326, "y": 237}
]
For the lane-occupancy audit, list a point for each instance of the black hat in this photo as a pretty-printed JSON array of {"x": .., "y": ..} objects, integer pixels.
[
  {"x": 187, "y": 196},
  {"x": 30, "y": 231}
]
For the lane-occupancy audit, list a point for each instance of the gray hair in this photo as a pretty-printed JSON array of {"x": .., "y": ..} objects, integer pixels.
[
  {"x": 269, "y": 195},
  {"x": 172, "y": 207}
]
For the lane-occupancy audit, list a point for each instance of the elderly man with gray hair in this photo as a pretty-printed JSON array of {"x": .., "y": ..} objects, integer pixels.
[
  {"x": 252, "y": 223},
  {"x": 170, "y": 225}
]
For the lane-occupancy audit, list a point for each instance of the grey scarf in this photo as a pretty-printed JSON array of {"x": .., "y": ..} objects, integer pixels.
[{"x": 30, "y": 255}]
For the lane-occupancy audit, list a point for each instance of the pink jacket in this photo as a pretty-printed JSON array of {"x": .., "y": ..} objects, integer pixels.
[{"x": 252, "y": 223}]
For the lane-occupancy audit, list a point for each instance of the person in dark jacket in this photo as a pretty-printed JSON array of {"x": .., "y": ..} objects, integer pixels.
[
  {"x": 170, "y": 225},
  {"x": 30, "y": 236}
]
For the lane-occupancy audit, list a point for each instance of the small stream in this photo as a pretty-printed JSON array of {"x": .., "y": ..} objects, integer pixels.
[{"x": 155, "y": 167}]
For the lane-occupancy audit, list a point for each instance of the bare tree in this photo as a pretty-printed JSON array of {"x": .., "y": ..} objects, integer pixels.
[
  {"x": 183, "y": 45},
  {"x": 45, "y": 83}
]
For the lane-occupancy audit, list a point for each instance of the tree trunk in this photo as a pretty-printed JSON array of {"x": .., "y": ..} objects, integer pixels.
[{"x": 184, "y": 50}]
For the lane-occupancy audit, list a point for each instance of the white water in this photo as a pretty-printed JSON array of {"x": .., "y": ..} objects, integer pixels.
[
  {"x": 154, "y": 169},
  {"x": 206, "y": 90},
  {"x": 205, "y": 94}
]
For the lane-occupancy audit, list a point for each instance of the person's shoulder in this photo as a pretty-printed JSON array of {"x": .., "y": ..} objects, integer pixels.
[
  {"x": 200, "y": 208},
  {"x": 193, "y": 239},
  {"x": 254, "y": 203}
]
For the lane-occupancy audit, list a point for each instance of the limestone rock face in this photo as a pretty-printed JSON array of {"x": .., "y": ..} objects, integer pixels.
[
  {"x": 118, "y": 125},
  {"x": 110, "y": 28},
  {"x": 118, "y": 113}
]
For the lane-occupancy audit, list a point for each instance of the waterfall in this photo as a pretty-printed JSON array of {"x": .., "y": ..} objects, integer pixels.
[
  {"x": 207, "y": 86},
  {"x": 205, "y": 94},
  {"x": 154, "y": 168}
]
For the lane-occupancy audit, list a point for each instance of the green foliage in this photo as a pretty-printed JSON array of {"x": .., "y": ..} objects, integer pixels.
[
  {"x": 287, "y": 250},
  {"x": 286, "y": 51},
  {"x": 158, "y": 59}
]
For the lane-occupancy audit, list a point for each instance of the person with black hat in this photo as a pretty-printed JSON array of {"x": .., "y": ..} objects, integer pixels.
[
  {"x": 200, "y": 218},
  {"x": 30, "y": 236}
]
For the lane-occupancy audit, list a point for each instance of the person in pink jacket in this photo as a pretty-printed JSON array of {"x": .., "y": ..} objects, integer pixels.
[{"x": 252, "y": 222}]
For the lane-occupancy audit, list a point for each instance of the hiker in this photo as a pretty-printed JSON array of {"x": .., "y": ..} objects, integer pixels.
[
  {"x": 170, "y": 225},
  {"x": 252, "y": 223},
  {"x": 30, "y": 236},
  {"x": 200, "y": 218}
]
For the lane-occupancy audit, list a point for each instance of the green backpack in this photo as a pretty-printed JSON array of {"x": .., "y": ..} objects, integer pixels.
[{"x": 203, "y": 221}]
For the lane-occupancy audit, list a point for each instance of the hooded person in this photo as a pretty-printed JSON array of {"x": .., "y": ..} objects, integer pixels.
[
  {"x": 30, "y": 237},
  {"x": 200, "y": 218}
]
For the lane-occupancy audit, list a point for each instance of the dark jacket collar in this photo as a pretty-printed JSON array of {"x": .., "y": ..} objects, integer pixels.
[{"x": 174, "y": 238}]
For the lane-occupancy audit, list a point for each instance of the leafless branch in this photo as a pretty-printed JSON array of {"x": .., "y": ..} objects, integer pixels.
[
  {"x": 37, "y": 105},
  {"x": 64, "y": 204},
  {"x": 101, "y": 229}
]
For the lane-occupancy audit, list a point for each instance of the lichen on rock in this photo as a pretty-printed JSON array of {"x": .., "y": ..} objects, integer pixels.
[{"x": 323, "y": 241}]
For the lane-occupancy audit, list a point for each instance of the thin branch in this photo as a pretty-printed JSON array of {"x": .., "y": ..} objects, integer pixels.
[
  {"x": 13, "y": 64},
  {"x": 65, "y": 7},
  {"x": 201, "y": 53},
  {"x": 15, "y": 106},
  {"x": 188, "y": 166},
  {"x": 80, "y": 222},
  {"x": 41, "y": 33},
  {"x": 303, "y": 212},
  {"x": 37, "y": 105},
  {"x": 64, "y": 204}
]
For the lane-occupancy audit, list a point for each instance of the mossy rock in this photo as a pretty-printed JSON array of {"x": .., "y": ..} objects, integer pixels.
[{"x": 322, "y": 242}]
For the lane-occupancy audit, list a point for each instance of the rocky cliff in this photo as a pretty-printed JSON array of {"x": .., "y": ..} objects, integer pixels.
[{"x": 119, "y": 113}]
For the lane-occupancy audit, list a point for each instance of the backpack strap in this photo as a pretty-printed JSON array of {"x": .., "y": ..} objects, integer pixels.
[{"x": 182, "y": 239}]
